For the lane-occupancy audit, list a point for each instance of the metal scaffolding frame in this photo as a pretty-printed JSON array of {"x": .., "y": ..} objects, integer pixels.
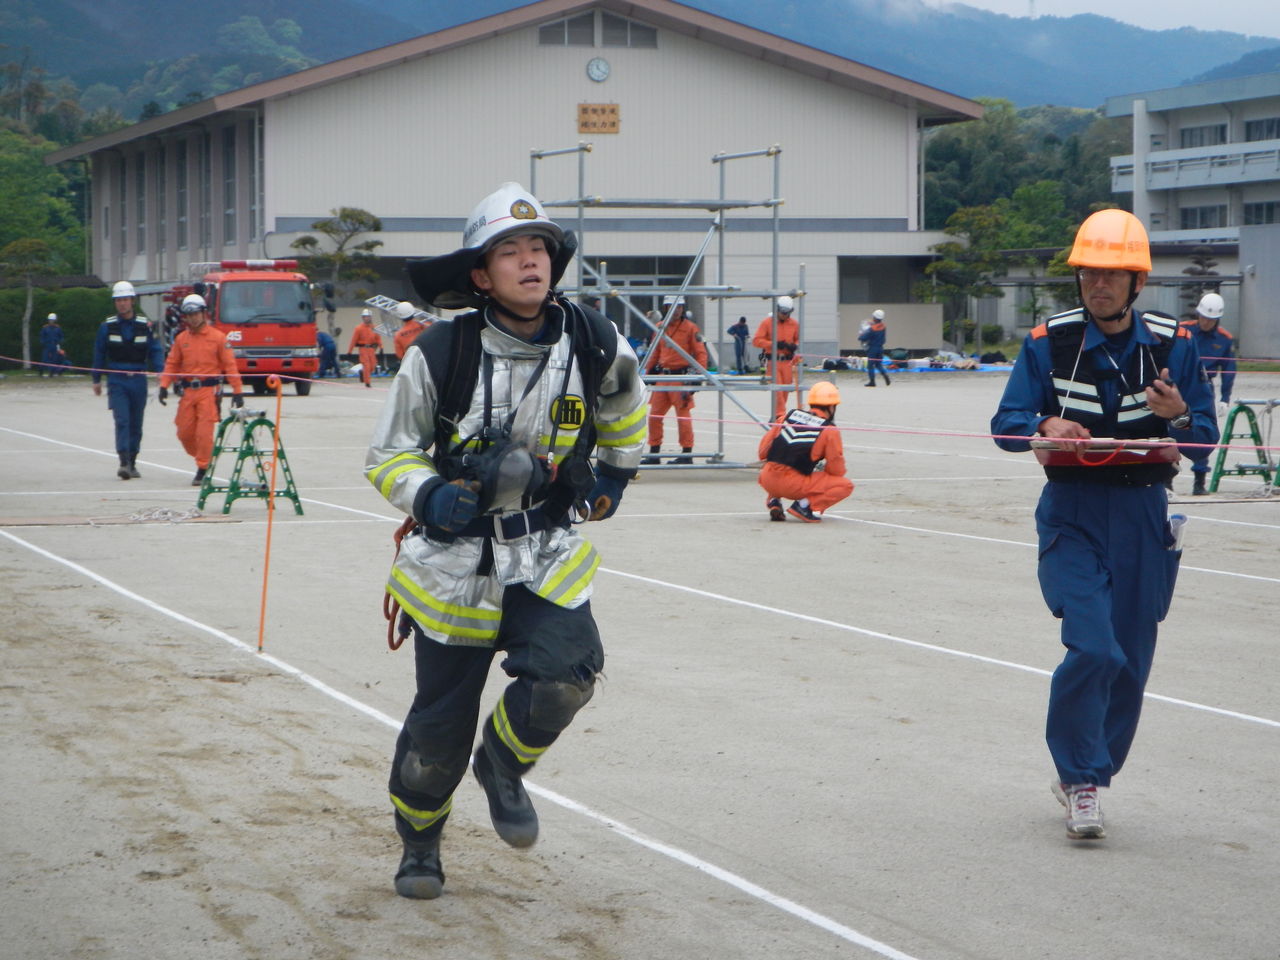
[{"x": 725, "y": 386}]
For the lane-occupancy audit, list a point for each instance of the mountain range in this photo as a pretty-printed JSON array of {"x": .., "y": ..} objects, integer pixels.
[{"x": 1074, "y": 61}]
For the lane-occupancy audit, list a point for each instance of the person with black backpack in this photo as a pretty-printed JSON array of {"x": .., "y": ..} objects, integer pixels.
[{"x": 485, "y": 443}]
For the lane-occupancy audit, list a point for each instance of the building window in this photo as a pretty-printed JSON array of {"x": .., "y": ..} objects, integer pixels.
[
  {"x": 621, "y": 32},
  {"x": 162, "y": 206},
  {"x": 206, "y": 190},
  {"x": 1198, "y": 218},
  {"x": 1266, "y": 212},
  {"x": 140, "y": 197},
  {"x": 579, "y": 31},
  {"x": 122, "y": 196},
  {"x": 1268, "y": 129},
  {"x": 180, "y": 193},
  {"x": 1207, "y": 136},
  {"x": 229, "y": 185}
]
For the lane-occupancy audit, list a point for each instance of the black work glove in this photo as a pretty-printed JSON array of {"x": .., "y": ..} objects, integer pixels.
[
  {"x": 605, "y": 497},
  {"x": 162, "y": 396},
  {"x": 237, "y": 400},
  {"x": 451, "y": 506}
]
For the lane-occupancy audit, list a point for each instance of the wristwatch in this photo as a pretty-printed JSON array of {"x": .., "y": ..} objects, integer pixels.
[{"x": 1182, "y": 421}]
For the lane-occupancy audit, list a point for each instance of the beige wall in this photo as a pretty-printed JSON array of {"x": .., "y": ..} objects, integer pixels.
[{"x": 915, "y": 326}]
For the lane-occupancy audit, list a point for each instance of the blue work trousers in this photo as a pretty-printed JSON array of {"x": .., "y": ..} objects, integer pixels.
[
  {"x": 127, "y": 398},
  {"x": 1107, "y": 571}
]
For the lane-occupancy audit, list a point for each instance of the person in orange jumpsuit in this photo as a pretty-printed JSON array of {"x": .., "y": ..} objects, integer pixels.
[
  {"x": 663, "y": 357},
  {"x": 785, "y": 329},
  {"x": 410, "y": 328},
  {"x": 792, "y": 450},
  {"x": 365, "y": 339},
  {"x": 198, "y": 362}
]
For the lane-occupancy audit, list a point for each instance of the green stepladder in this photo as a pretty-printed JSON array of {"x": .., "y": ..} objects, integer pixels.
[
  {"x": 1265, "y": 467},
  {"x": 251, "y": 473}
]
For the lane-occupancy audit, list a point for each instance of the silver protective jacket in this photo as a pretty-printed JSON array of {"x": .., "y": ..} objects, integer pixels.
[{"x": 435, "y": 582}]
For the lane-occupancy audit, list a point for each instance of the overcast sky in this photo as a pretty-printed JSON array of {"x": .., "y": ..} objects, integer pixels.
[{"x": 1258, "y": 17}]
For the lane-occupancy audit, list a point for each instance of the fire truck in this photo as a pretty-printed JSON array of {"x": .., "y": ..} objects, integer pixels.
[{"x": 265, "y": 308}]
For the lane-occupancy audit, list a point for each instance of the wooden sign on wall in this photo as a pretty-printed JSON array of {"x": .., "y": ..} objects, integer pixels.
[{"x": 599, "y": 118}]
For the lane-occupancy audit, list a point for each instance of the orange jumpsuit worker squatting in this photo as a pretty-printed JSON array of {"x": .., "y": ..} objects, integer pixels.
[
  {"x": 786, "y": 330},
  {"x": 665, "y": 358},
  {"x": 197, "y": 363},
  {"x": 366, "y": 340},
  {"x": 793, "y": 449}
]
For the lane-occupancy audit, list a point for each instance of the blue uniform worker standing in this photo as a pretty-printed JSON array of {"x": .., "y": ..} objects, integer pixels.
[
  {"x": 125, "y": 347},
  {"x": 328, "y": 354},
  {"x": 51, "y": 353},
  {"x": 1218, "y": 354},
  {"x": 1108, "y": 554},
  {"x": 873, "y": 335}
]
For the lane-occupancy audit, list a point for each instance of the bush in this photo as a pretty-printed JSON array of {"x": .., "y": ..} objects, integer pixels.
[
  {"x": 80, "y": 311},
  {"x": 992, "y": 333}
]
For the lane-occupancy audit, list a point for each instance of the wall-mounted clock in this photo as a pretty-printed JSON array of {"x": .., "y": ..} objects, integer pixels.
[{"x": 598, "y": 69}]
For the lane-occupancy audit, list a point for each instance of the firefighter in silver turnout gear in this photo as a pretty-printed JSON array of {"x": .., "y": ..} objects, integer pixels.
[{"x": 495, "y": 562}]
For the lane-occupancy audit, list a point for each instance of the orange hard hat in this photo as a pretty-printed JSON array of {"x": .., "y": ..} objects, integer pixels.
[
  {"x": 824, "y": 394},
  {"x": 1112, "y": 239}
]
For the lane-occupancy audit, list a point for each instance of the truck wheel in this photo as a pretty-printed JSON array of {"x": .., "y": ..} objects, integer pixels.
[{"x": 303, "y": 387}]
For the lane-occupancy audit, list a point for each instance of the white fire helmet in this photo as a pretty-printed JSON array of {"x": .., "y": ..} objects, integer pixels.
[
  {"x": 366, "y": 314},
  {"x": 877, "y": 314},
  {"x": 404, "y": 310},
  {"x": 508, "y": 211},
  {"x": 1211, "y": 306},
  {"x": 786, "y": 305},
  {"x": 53, "y": 317},
  {"x": 123, "y": 288},
  {"x": 671, "y": 300},
  {"x": 193, "y": 303}
]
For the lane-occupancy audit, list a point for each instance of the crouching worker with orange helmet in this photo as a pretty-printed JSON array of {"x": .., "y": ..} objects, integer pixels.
[{"x": 804, "y": 459}]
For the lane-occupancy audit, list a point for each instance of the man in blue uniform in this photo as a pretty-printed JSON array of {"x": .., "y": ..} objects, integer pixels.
[
  {"x": 1218, "y": 353},
  {"x": 873, "y": 335},
  {"x": 51, "y": 353},
  {"x": 1108, "y": 554},
  {"x": 125, "y": 347}
]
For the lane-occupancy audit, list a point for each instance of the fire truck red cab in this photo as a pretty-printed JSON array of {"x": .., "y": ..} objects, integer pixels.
[{"x": 265, "y": 308}]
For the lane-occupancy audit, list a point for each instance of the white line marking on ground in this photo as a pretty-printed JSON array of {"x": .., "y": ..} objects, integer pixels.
[
  {"x": 950, "y": 651},
  {"x": 674, "y": 853}
]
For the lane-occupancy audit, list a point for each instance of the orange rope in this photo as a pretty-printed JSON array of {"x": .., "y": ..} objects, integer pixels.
[
  {"x": 273, "y": 383},
  {"x": 390, "y": 605}
]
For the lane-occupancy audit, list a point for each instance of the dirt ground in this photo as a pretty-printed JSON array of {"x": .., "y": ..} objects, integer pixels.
[{"x": 812, "y": 741}]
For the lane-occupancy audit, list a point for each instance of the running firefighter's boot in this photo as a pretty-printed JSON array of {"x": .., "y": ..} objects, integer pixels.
[
  {"x": 420, "y": 876},
  {"x": 510, "y": 808}
]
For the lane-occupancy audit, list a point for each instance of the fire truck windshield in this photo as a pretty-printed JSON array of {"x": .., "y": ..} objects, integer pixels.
[{"x": 243, "y": 302}]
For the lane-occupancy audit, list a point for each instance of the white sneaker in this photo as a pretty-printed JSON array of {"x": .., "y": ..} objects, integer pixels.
[{"x": 1084, "y": 813}]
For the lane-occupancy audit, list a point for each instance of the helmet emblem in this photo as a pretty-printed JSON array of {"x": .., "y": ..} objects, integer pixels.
[{"x": 523, "y": 210}]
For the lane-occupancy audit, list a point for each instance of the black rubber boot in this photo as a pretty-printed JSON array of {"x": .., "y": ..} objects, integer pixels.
[
  {"x": 123, "y": 473},
  {"x": 651, "y": 459},
  {"x": 1198, "y": 488},
  {"x": 198, "y": 479},
  {"x": 510, "y": 808},
  {"x": 684, "y": 460},
  {"x": 133, "y": 467},
  {"x": 420, "y": 876}
]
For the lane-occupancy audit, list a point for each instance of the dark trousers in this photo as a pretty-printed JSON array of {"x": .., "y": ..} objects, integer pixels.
[
  {"x": 874, "y": 364},
  {"x": 127, "y": 398},
  {"x": 542, "y": 642}
]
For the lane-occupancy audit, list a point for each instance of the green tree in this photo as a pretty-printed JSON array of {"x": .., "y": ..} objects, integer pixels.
[
  {"x": 36, "y": 201},
  {"x": 30, "y": 260},
  {"x": 1201, "y": 267},
  {"x": 344, "y": 258},
  {"x": 966, "y": 266}
]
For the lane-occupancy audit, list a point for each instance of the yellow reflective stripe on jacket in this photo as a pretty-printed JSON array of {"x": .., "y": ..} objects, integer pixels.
[
  {"x": 421, "y": 819},
  {"x": 502, "y": 727},
  {"x": 384, "y": 475},
  {"x": 628, "y": 430},
  {"x": 452, "y": 619},
  {"x": 572, "y": 577}
]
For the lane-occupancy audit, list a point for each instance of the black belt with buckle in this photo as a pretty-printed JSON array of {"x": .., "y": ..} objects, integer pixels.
[
  {"x": 208, "y": 382},
  {"x": 503, "y": 527}
]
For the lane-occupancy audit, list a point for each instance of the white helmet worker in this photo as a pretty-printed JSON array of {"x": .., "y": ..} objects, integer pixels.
[
  {"x": 786, "y": 305},
  {"x": 509, "y": 211},
  {"x": 53, "y": 317},
  {"x": 193, "y": 303},
  {"x": 123, "y": 288},
  {"x": 671, "y": 300},
  {"x": 877, "y": 314},
  {"x": 1211, "y": 306},
  {"x": 404, "y": 310},
  {"x": 366, "y": 314}
]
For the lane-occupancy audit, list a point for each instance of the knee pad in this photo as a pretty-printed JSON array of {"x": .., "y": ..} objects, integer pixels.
[
  {"x": 553, "y": 703},
  {"x": 435, "y": 778}
]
